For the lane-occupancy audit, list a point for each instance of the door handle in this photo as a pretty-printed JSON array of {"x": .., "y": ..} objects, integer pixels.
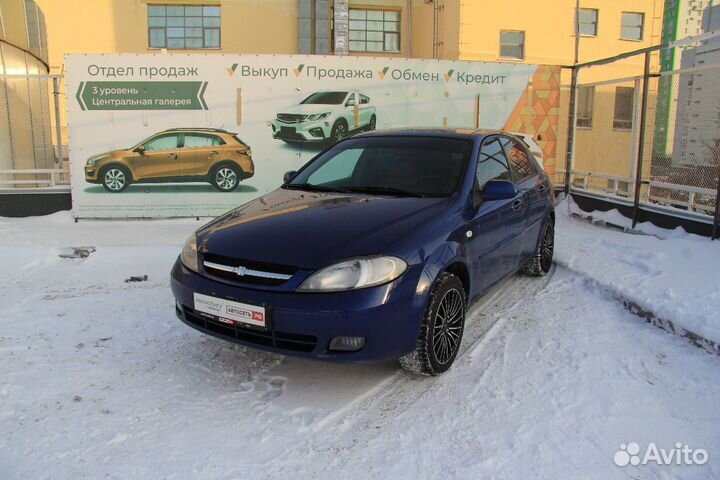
[
  {"x": 517, "y": 204},
  {"x": 172, "y": 155},
  {"x": 215, "y": 152}
]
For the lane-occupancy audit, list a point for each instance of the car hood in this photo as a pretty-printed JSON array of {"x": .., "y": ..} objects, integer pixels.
[
  {"x": 310, "y": 230},
  {"x": 309, "y": 108}
]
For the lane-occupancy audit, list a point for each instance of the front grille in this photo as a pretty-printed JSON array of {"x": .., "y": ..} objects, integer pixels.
[
  {"x": 255, "y": 273},
  {"x": 283, "y": 340},
  {"x": 291, "y": 117}
]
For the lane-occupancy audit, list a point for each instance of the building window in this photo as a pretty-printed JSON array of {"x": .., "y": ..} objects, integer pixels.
[
  {"x": 374, "y": 31},
  {"x": 588, "y": 22},
  {"x": 632, "y": 26},
  {"x": 623, "y": 116},
  {"x": 512, "y": 44},
  {"x": 585, "y": 99},
  {"x": 183, "y": 26}
]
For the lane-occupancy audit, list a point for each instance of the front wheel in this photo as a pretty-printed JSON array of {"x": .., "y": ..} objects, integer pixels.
[
  {"x": 339, "y": 131},
  {"x": 441, "y": 330},
  {"x": 541, "y": 262},
  {"x": 115, "y": 179},
  {"x": 225, "y": 178}
]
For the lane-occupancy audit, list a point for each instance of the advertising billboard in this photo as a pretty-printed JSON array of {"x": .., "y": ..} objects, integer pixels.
[{"x": 164, "y": 135}]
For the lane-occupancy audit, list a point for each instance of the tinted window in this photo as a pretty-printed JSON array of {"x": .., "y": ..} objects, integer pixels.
[
  {"x": 194, "y": 141},
  {"x": 325, "y": 98},
  {"x": 422, "y": 166},
  {"x": 520, "y": 163},
  {"x": 492, "y": 164},
  {"x": 364, "y": 99},
  {"x": 163, "y": 142}
]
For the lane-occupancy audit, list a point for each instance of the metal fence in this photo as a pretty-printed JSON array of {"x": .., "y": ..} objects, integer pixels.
[
  {"x": 646, "y": 129},
  {"x": 33, "y": 154}
]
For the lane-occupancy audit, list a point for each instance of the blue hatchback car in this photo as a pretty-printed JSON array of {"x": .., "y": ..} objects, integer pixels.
[{"x": 373, "y": 249}]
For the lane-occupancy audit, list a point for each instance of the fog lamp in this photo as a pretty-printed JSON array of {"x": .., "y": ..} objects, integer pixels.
[{"x": 347, "y": 344}]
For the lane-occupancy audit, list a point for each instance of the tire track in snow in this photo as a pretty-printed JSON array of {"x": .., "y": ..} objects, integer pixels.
[{"x": 371, "y": 411}]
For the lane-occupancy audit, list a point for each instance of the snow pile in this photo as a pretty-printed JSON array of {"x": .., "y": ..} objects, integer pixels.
[{"x": 669, "y": 272}]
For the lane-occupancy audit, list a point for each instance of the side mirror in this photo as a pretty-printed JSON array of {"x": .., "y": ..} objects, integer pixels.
[
  {"x": 140, "y": 150},
  {"x": 289, "y": 175},
  {"x": 498, "y": 190},
  {"x": 350, "y": 103}
]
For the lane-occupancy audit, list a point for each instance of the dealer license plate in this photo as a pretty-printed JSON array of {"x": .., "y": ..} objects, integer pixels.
[{"x": 228, "y": 311}]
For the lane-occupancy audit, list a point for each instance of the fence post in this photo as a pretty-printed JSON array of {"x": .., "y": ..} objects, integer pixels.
[
  {"x": 58, "y": 132},
  {"x": 641, "y": 139},
  {"x": 570, "y": 154},
  {"x": 716, "y": 220}
]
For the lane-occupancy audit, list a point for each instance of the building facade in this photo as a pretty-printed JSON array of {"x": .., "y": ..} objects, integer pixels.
[{"x": 518, "y": 31}]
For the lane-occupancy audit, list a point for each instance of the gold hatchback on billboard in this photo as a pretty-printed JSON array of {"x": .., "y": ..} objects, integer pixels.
[{"x": 178, "y": 155}]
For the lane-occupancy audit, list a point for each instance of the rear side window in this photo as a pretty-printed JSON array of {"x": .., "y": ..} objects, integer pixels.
[
  {"x": 520, "y": 163},
  {"x": 364, "y": 99},
  {"x": 492, "y": 164},
  {"x": 195, "y": 141}
]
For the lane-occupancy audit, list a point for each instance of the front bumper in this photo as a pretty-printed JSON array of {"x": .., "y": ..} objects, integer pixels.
[
  {"x": 317, "y": 131},
  {"x": 303, "y": 324}
]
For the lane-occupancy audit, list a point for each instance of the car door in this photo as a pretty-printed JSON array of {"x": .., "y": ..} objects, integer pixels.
[
  {"x": 496, "y": 225},
  {"x": 199, "y": 152},
  {"x": 159, "y": 158},
  {"x": 536, "y": 189},
  {"x": 365, "y": 110}
]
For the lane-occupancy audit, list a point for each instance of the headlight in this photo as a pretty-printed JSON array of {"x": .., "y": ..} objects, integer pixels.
[
  {"x": 94, "y": 160},
  {"x": 354, "y": 274},
  {"x": 189, "y": 254},
  {"x": 318, "y": 116}
]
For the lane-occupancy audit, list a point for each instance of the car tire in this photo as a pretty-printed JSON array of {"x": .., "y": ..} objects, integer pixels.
[
  {"x": 339, "y": 131},
  {"x": 225, "y": 177},
  {"x": 115, "y": 178},
  {"x": 539, "y": 265},
  {"x": 373, "y": 123},
  {"x": 441, "y": 330}
]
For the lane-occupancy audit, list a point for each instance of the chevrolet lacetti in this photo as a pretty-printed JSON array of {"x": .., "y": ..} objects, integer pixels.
[{"x": 373, "y": 249}]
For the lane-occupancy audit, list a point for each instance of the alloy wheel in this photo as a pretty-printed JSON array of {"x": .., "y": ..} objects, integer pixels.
[
  {"x": 115, "y": 179},
  {"x": 340, "y": 132},
  {"x": 226, "y": 178},
  {"x": 447, "y": 326},
  {"x": 547, "y": 247}
]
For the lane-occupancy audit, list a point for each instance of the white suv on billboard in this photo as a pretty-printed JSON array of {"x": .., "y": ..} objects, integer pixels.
[{"x": 325, "y": 116}]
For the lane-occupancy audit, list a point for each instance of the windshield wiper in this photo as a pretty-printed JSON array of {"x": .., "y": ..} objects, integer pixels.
[
  {"x": 384, "y": 190},
  {"x": 314, "y": 188}
]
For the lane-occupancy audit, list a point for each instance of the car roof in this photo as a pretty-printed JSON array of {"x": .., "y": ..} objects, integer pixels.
[{"x": 458, "y": 133}]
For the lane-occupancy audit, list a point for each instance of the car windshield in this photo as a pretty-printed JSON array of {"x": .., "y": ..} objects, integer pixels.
[
  {"x": 395, "y": 166},
  {"x": 325, "y": 98}
]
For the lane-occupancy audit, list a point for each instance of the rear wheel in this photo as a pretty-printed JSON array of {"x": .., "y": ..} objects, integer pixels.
[
  {"x": 225, "y": 178},
  {"x": 373, "y": 123},
  {"x": 541, "y": 262},
  {"x": 115, "y": 179},
  {"x": 441, "y": 330}
]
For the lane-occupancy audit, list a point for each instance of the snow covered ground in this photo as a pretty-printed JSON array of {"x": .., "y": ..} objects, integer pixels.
[{"x": 99, "y": 380}]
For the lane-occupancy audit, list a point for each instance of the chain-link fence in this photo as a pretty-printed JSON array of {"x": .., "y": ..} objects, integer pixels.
[
  {"x": 647, "y": 128},
  {"x": 32, "y": 154}
]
